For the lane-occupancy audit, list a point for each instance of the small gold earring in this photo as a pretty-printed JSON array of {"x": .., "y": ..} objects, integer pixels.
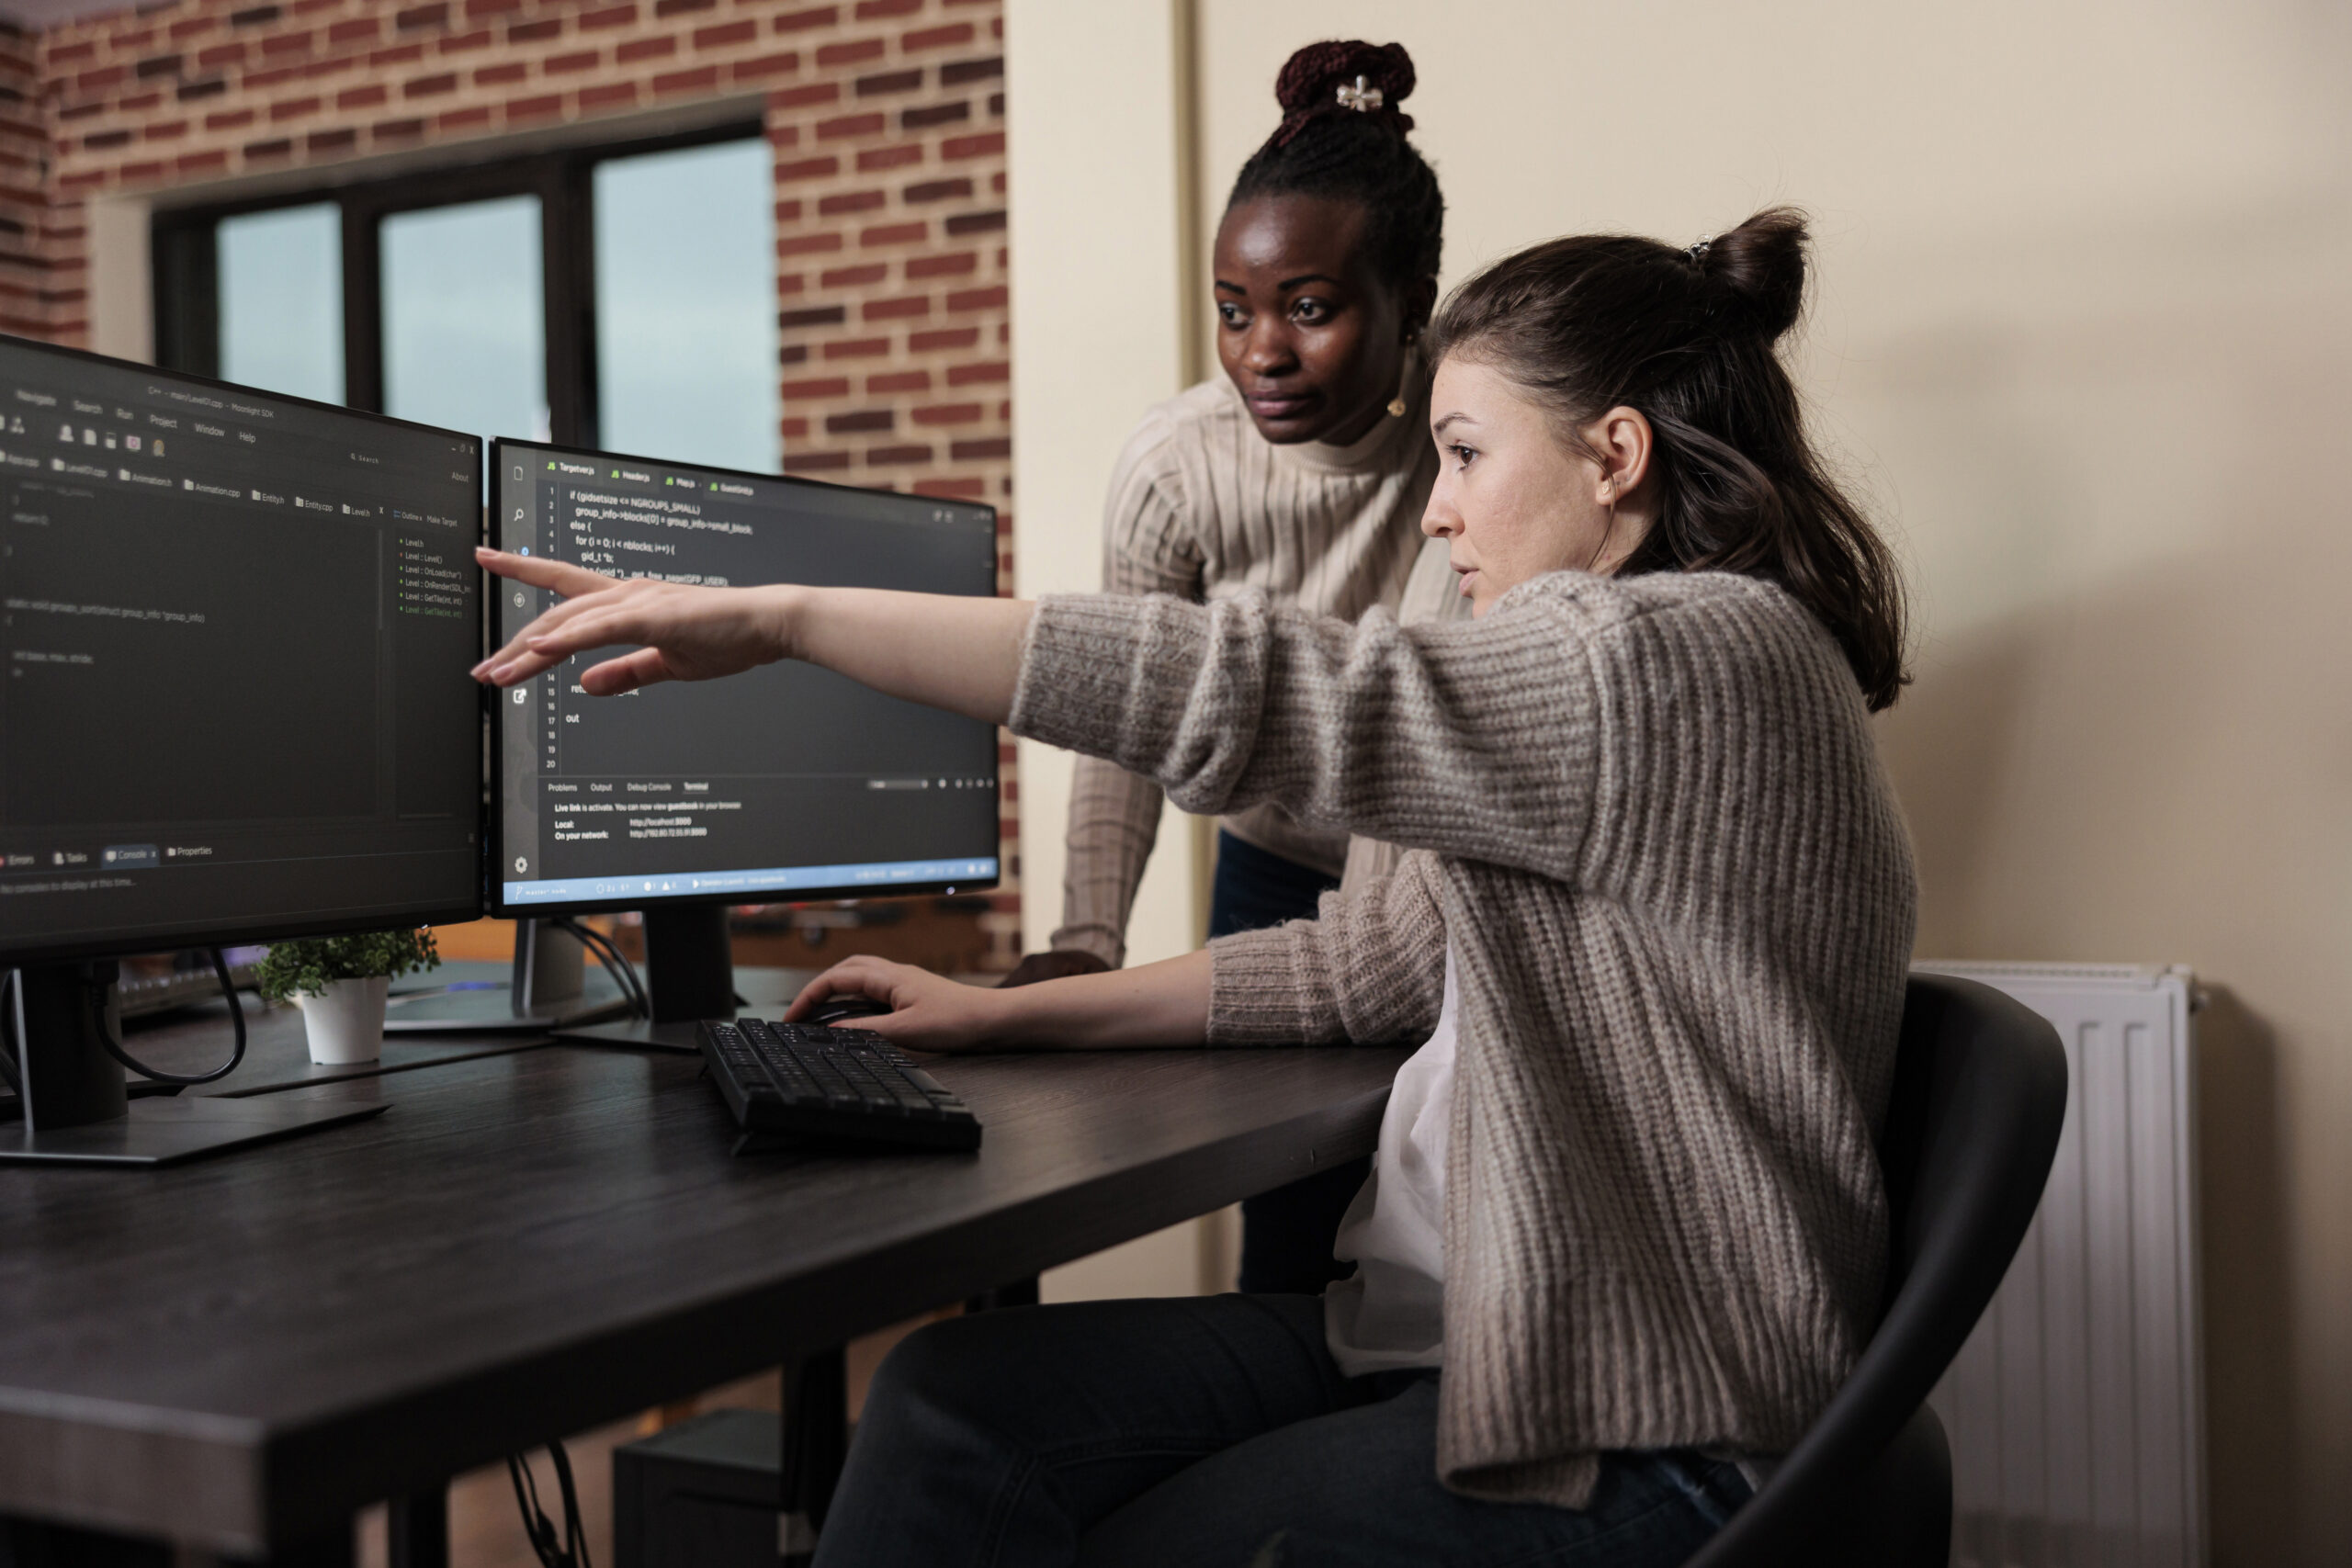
[{"x": 1397, "y": 406}]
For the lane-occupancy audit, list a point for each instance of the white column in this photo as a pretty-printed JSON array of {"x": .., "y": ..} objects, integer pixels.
[
  {"x": 1098, "y": 108},
  {"x": 1097, "y": 130}
]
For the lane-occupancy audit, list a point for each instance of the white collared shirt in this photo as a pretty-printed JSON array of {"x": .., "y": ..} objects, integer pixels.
[{"x": 1390, "y": 1313}]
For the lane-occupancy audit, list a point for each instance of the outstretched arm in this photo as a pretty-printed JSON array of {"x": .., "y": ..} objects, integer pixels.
[
  {"x": 1477, "y": 738},
  {"x": 1114, "y": 814},
  {"x": 944, "y": 650}
]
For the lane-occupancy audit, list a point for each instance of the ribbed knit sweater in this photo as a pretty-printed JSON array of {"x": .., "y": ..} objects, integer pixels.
[
  {"x": 1650, "y": 819},
  {"x": 1200, "y": 506}
]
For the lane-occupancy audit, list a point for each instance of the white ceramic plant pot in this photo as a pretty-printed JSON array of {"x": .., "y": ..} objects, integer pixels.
[{"x": 347, "y": 1025}]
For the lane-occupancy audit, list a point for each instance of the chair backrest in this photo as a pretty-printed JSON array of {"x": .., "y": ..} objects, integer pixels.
[{"x": 1971, "y": 1124}]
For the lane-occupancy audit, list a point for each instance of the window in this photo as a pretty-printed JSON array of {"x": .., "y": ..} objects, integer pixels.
[
  {"x": 623, "y": 298},
  {"x": 281, "y": 301},
  {"x": 678, "y": 375},
  {"x": 462, "y": 307}
]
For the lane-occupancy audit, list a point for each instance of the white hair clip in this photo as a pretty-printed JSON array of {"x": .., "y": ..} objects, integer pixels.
[{"x": 1363, "y": 97}]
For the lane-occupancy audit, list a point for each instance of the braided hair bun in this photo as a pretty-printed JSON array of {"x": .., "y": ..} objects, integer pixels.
[
  {"x": 1346, "y": 141},
  {"x": 1342, "y": 77}
]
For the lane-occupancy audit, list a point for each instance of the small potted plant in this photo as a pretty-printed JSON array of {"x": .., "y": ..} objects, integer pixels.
[{"x": 340, "y": 983}]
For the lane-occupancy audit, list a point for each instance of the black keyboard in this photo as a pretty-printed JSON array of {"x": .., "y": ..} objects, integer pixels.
[{"x": 812, "y": 1081}]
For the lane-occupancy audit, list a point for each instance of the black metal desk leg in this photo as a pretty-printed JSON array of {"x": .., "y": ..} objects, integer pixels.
[
  {"x": 418, "y": 1529},
  {"x": 25, "y": 1544},
  {"x": 1020, "y": 1293},
  {"x": 328, "y": 1548},
  {"x": 816, "y": 1442}
]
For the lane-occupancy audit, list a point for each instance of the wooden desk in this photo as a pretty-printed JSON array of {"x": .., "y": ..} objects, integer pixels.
[{"x": 239, "y": 1353}]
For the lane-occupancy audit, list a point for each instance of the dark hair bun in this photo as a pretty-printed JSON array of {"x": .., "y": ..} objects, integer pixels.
[
  {"x": 1762, "y": 263},
  {"x": 1335, "y": 143},
  {"x": 1311, "y": 79}
]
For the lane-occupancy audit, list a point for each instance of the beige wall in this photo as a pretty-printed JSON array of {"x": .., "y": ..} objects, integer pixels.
[
  {"x": 2082, "y": 337},
  {"x": 2083, "y": 334}
]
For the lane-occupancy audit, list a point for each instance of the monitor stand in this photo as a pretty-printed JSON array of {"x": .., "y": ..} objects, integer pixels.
[
  {"x": 548, "y": 986},
  {"x": 690, "y": 976},
  {"x": 74, "y": 1103}
]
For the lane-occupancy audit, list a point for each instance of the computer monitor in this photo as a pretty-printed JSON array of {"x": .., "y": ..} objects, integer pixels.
[
  {"x": 237, "y": 627},
  {"x": 787, "y": 784}
]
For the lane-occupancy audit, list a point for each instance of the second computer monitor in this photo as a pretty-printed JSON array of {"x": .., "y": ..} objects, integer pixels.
[
  {"x": 782, "y": 784},
  {"x": 236, "y": 627}
]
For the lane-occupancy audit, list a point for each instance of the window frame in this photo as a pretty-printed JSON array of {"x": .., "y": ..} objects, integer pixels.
[{"x": 185, "y": 249}]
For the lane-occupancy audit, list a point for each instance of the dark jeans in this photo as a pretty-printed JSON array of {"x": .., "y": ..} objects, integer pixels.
[
  {"x": 1209, "y": 1432},
  {"x": 1286, "y": 1234}
]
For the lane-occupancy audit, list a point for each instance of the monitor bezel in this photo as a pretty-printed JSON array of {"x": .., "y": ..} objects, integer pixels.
[
  {"x": 247, "y": 934},
  {"x": 495, "y": 827}
]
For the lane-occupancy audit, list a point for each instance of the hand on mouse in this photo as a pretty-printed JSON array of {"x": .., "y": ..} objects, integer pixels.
[
  {"x": 927, "y": 1014},
  {"x": 846, "y": 1008}
]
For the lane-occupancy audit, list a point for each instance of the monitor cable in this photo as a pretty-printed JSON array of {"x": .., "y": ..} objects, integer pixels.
[
  {"x": 570, "y": 1551},
  {"x": 98, "y": 1001},
  {"x": 615, "y": 963}
]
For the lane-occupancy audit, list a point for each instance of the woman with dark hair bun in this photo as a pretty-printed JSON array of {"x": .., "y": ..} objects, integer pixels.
[
  {"x": 1301, "y": 472},
  {"x": 1625, "y": 1231},
  {"x": 1583, "y": 323}
]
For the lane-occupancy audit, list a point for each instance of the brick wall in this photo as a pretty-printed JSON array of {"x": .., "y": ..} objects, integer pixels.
[
  {"x": 24, "y": 276},
  {"x": 886, "y": 118}
]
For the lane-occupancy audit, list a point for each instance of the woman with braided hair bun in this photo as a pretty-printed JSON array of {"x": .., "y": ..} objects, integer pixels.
[{"x": 1300, "y": 471}]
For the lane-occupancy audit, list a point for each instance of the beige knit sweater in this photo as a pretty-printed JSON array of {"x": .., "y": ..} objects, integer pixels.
[
  {"x": 1649, "y": 818},
  {"x": 1202, "y": 506}
]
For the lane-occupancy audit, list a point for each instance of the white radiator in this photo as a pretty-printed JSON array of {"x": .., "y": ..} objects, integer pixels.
[{"x": 2077, "y": 1410}]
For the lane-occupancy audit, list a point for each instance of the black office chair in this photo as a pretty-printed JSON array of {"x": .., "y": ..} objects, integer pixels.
[{"x": 1980, "y": 1089}]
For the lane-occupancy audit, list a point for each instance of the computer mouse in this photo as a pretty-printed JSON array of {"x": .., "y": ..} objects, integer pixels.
[{"x": 842, "y": 1007}]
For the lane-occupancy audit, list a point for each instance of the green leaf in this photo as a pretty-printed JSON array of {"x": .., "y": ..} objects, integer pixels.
[{"x": 306, "y": 966}]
